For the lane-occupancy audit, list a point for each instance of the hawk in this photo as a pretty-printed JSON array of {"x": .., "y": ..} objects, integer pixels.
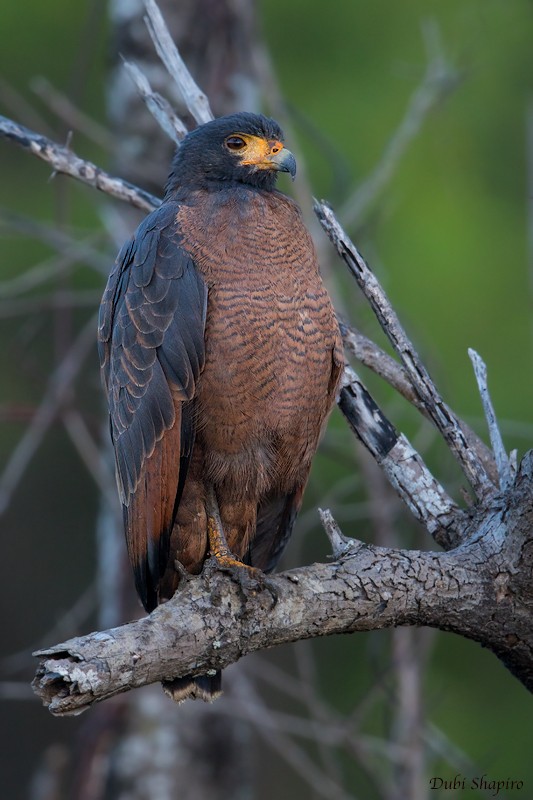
[{"x": 220, "y": 355}]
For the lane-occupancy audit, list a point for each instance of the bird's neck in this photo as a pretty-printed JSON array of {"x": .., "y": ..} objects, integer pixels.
[{"x": 180, "y": 184}]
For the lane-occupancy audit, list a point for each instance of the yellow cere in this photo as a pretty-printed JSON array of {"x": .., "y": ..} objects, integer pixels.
[{"x": 258, "y": 151}]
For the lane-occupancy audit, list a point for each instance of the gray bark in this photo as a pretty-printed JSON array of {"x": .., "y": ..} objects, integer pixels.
[{"x": 480, "y": 589}]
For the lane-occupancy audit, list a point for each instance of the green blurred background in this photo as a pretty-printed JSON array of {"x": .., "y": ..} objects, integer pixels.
[{"x": 450, "y": 237}]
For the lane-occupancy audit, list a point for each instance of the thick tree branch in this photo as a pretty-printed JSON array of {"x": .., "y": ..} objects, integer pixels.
[{"x": 479, "y": 590}]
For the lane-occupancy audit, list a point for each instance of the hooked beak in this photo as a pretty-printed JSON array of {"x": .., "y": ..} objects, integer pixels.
[{"x": 283, "y": 161}]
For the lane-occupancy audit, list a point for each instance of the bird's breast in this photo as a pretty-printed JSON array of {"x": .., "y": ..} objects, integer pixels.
[{"x": 270, "y": 327}]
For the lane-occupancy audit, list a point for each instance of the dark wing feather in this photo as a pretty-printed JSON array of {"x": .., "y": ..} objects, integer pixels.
[{"x": 151, "y": 345}]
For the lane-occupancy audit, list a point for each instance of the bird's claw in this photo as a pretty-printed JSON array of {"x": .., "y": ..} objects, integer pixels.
[{"x": 251, "y": 580}]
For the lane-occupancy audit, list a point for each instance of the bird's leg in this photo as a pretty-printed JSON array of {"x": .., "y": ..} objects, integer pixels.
[
  {"x": 250, "y": 579},
  {"x": 218, "y": 545}
]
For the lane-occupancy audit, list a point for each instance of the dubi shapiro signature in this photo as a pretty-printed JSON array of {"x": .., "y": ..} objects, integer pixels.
[{"x": 482, "y": 782}]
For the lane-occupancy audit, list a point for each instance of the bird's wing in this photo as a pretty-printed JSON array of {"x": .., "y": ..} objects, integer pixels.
[{"x": 151, "y": 346}]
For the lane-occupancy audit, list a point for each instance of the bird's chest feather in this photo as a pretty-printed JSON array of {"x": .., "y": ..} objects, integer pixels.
[{"x": 270, "y": 327}]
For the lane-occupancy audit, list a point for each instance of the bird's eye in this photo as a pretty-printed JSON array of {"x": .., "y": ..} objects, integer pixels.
[{"x": 235, "y": 143}]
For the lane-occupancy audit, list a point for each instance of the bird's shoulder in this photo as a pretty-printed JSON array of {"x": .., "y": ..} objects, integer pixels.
[
  {"x": 153, "y": 308},
  {"x": 147, "y": 271}
]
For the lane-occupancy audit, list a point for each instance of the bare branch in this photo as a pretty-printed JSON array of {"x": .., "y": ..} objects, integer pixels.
[
  {"x": 381, "y": 363},
  {"x": 160, "y": 108},
  {"x": 15, "y": 101},
  {"x": 35, "y": 276},
  {"x": 66, "y": 625},
  {"x": 90, "y": 455},
  {"x": 87, "y": 298},
  {"x": 403, "y": 466},
  {"x": 409, "y": 773},
  {"x": 75, "y": 250},
  {"x": 442, "y": 416},
  {"x": 62, "y": 106},
  {"x": 372, "y": 587},
  {"x": 272, "y": 729},
  {"x": 372, "y": 356},
  {"x": 340, "y": 544},
  {"x": 195, "y": 100},
  {"x": 63, "y": 160},
  {"x": 502, "y": 460}
]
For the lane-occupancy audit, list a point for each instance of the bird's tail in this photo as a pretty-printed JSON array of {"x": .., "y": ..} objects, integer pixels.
[{"x": 202, "y": 687}]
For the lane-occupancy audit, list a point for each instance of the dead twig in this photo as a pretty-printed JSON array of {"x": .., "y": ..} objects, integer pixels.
[
  {"x": 161, "y": 110},
  {"x": 58, "y": 388},
  {"x": 72, "y": 116},
  {"x": 195, "y": 100},
  {"x": 503, "y": 462}
]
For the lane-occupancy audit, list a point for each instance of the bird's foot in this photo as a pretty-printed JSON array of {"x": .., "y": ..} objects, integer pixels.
[
  {"x": 247, "y": 577},
  {"x": 251, "y": 580}
]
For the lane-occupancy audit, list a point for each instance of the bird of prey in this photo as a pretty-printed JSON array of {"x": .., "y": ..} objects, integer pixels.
[{"x": 220, "y": 356}]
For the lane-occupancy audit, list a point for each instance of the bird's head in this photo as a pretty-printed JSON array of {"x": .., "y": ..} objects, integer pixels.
[{"x": 244, "y": 148}]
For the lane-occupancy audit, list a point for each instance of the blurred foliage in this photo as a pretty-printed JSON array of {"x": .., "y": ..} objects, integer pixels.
[{"x": 450, "y": 237}]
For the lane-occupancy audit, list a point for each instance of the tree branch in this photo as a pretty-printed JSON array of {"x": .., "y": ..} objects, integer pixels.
[
  {"x": 160, "y": 108},
  {"x": 62, "y": 159},
  {"x": 502, "y": 459},
  {"x": 58, "y": 387},
  {"x": 440, "y": 413},
  {"x": 403, "y": 466},
  {"x": 439, "y": 80},
  {"x": 476, "y": 590},
  {"x": 381, "y": 363},
  {"x": 195, "y": 100}
]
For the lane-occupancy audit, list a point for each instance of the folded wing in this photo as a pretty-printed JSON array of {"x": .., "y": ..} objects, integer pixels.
[{"x": 151, "y": 345}]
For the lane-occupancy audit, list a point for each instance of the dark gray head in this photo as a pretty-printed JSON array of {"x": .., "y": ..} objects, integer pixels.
[{"x": 240, "y": 148}]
